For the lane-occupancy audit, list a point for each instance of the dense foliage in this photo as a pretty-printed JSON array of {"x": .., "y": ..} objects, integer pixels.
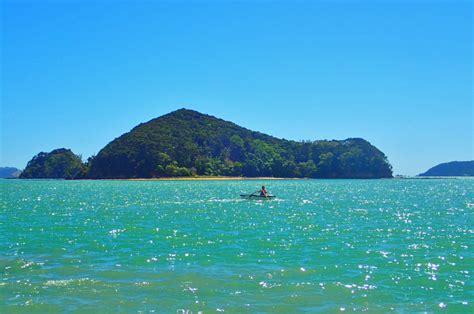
[
  {"x": 58, "y": 164},
  {"x": 187, "y": 143},
  {"x": 9, "y": 172},
  {"x": 454, "y": 169}
]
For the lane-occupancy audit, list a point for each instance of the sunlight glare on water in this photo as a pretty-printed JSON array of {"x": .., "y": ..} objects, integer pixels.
[{"x": 177, "y": 246}]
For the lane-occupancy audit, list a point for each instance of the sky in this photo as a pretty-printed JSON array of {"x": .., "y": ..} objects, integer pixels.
[{"x": 78, "y": 74}]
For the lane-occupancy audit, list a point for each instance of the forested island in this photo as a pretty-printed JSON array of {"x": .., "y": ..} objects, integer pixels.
[
  {"x": 188, "y": 143},
  {"x": 451, "y": 169}
]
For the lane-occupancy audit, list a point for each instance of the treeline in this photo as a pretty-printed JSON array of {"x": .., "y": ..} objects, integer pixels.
[{"x": 188, "y": 143}]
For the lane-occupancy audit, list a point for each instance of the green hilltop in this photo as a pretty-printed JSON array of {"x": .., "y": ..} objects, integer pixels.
[
  {"x": 188, "y": 143},
  {"x": 61, "y": 163}
]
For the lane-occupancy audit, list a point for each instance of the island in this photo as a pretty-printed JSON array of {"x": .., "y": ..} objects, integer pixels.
[
  {"x": 186, "y": 143},
  {"x": 451, "y": 169}
]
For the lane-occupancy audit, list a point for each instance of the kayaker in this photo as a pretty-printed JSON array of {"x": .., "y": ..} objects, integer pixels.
[{"x": 263, "y": 191}]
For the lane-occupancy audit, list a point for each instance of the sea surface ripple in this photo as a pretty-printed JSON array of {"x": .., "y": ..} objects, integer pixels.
[{"x": 196, "y": 246}]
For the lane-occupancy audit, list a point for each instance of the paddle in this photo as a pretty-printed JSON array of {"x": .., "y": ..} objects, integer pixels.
[{"x": 253, "y": 193}]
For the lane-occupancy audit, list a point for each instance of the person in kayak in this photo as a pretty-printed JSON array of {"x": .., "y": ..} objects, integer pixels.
[{"x": 263, "y": 191}]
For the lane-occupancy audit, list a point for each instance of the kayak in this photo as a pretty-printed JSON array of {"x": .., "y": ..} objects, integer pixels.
[{"x": 257, "y": 196}]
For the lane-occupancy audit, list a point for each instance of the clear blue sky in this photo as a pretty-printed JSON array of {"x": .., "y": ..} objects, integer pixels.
[{"x": 399, "y": 74}]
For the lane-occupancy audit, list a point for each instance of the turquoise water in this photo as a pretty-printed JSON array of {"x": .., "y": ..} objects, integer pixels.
[{"x": 186, "y": 247}]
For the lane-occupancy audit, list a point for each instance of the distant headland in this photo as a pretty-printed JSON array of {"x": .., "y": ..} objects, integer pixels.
[
  {"x": 186, "y": 143},
  {"x": 451, "y": 169},
  {"x": 9, "y": 172}
]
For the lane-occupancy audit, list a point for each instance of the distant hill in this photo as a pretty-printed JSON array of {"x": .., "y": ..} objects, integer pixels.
[
  {"x": 187, "y": 143},
  {"x": 451, "y": 169},
  {"x": 59, "y": 164},
  {"x": 9, "y": 172}
]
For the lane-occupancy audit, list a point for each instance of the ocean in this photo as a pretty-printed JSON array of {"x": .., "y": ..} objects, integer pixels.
[{"x": 196, "y": 247}]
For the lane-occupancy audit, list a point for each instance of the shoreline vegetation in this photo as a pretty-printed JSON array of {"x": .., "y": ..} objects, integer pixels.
[
  {"x": 224, "y": 178},
  {"x": 208, "y": 178}
]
